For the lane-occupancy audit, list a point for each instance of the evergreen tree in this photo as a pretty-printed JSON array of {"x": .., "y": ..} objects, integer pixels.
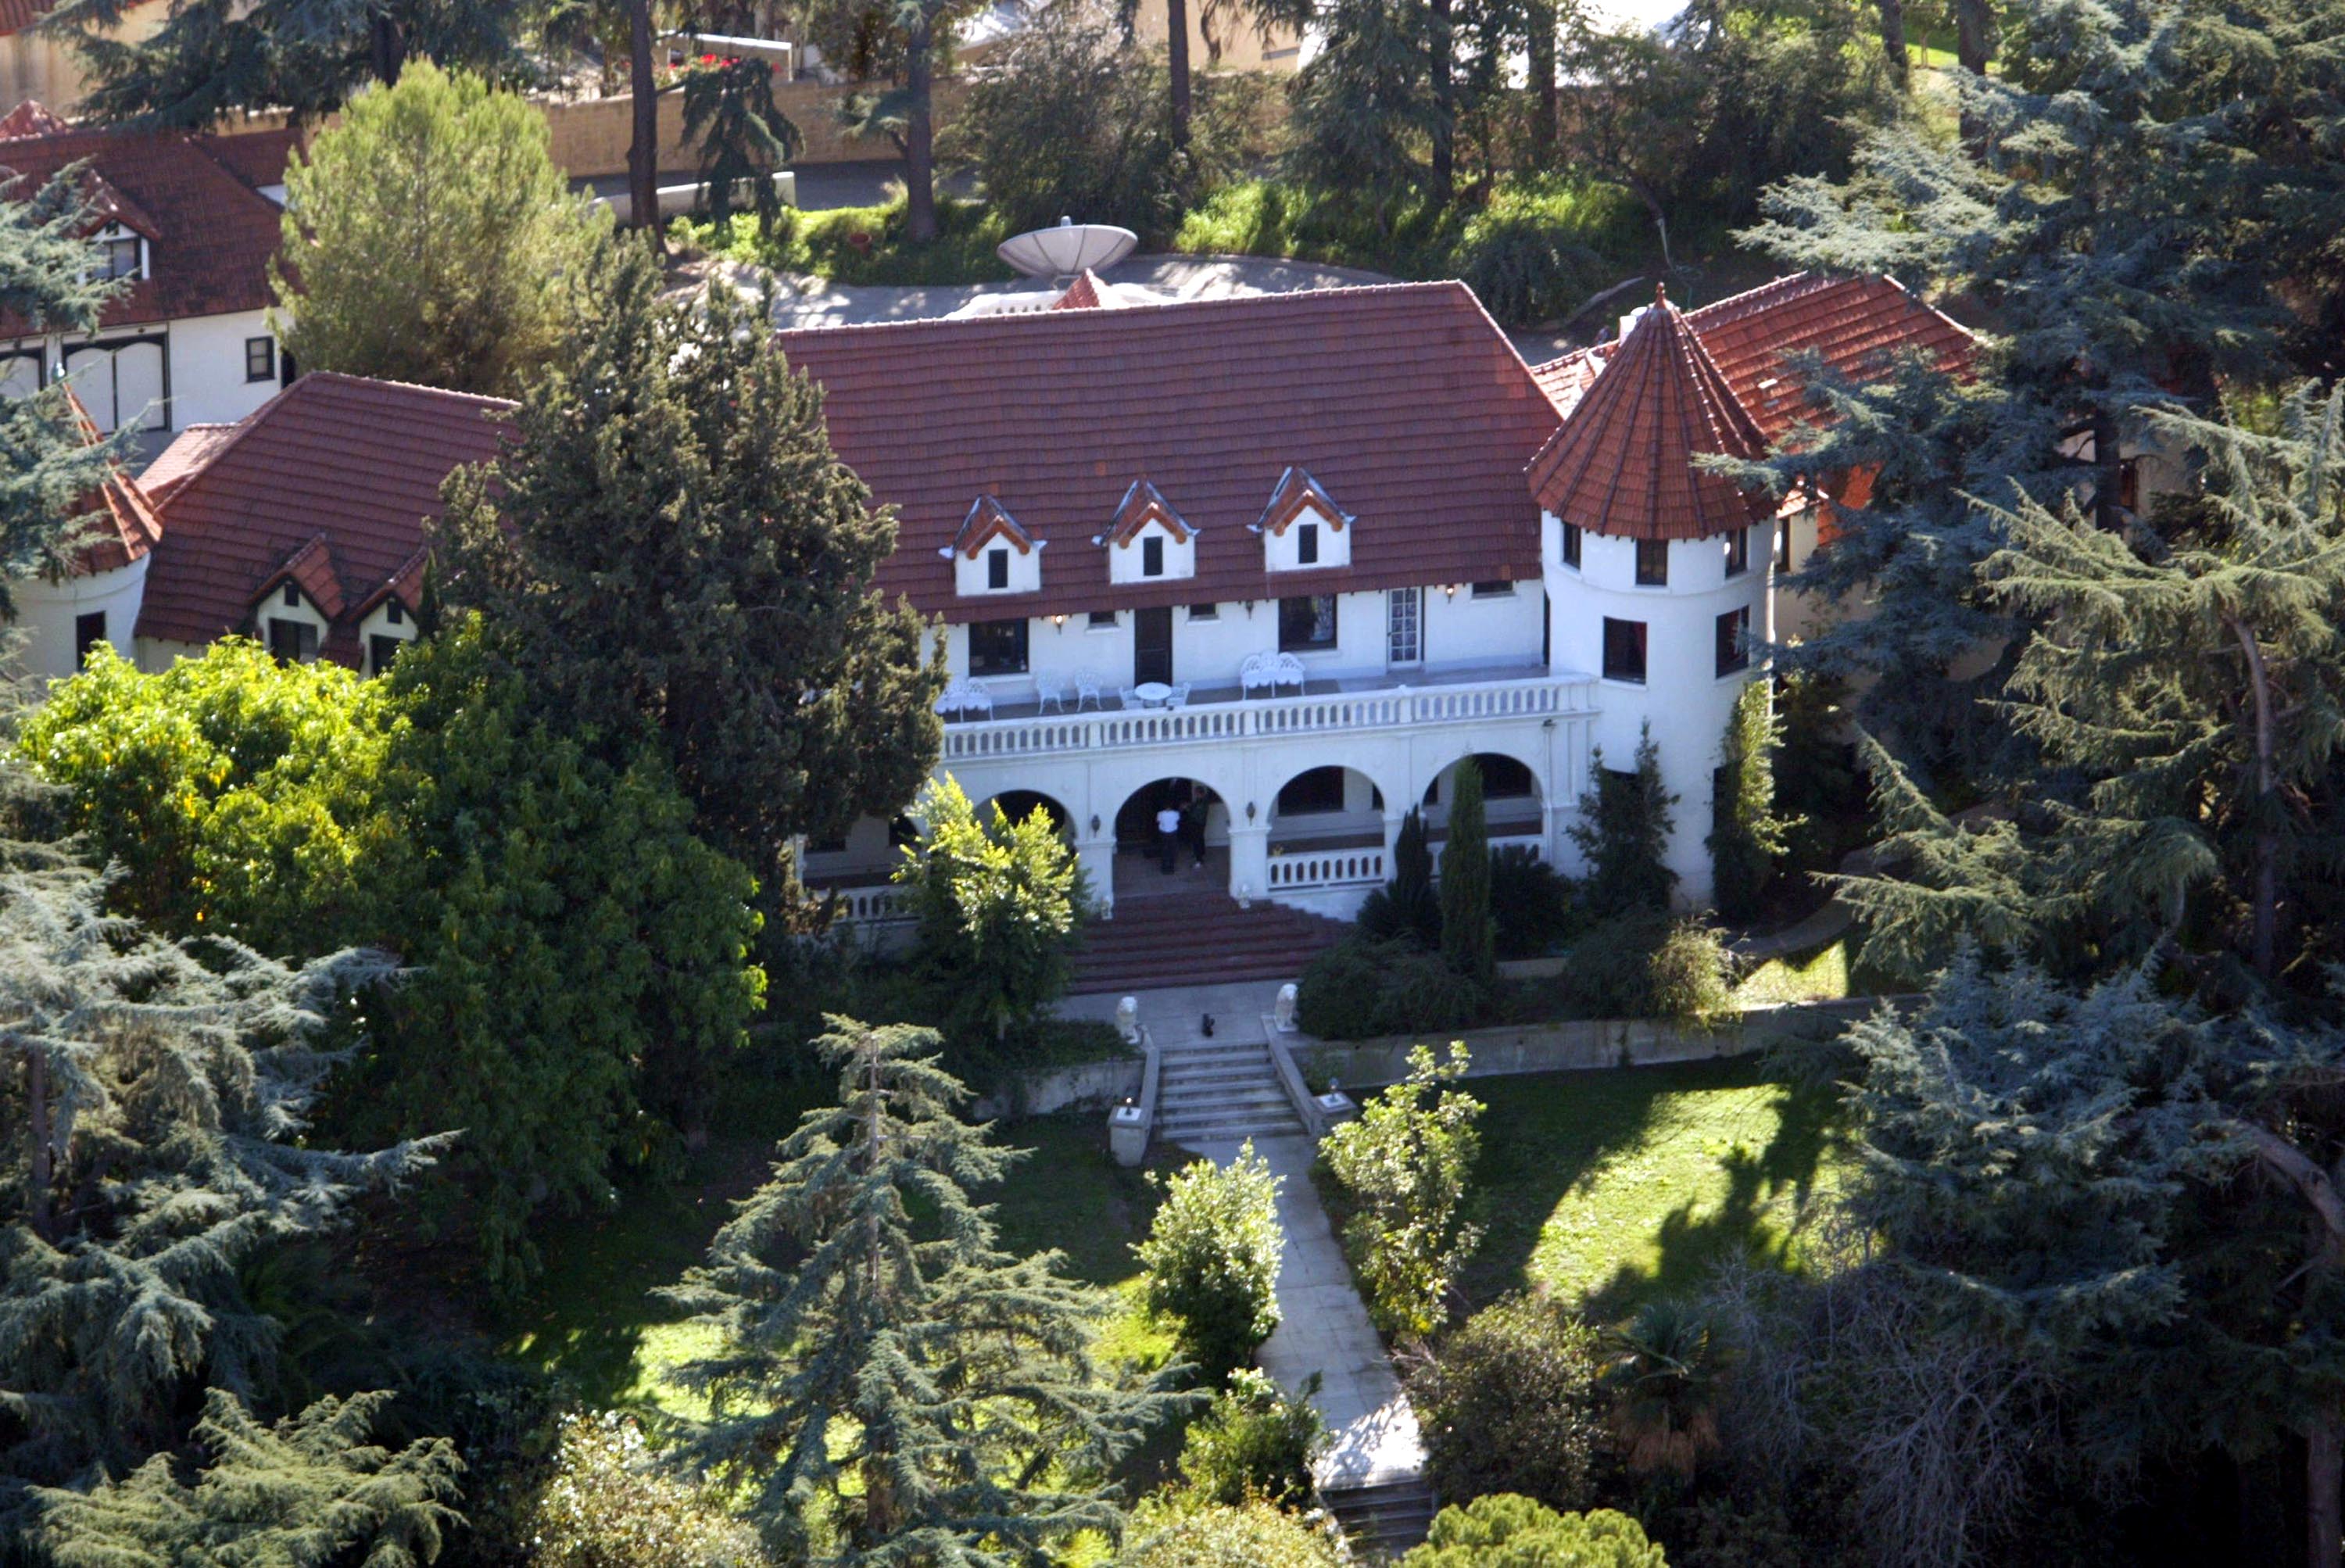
[
  {"x": 999, "y": 904},
  {"x": 2129, "y": 218},
  {"x": 1468, "y": 936},
  {"x": 744, "y": 138},
  {"x": 1746, "y": 835},
  {"x": 670, "y": 550},
  {"x": 1364, "y": 104},
  {"x": 1623, "y": 834},
  {"x": 305, "y": 1492},
  {"x": 213, "y": 59},
  {"x": 889, "y": 1386},
  {"x": 1408, "y": 905},
  {"x": 428, "y": 237},
  {"x": 155, "y": 1097}
]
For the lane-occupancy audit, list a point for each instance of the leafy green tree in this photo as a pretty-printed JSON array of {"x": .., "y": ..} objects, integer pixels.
[
  {"x": 156, "y": 1099},
  {"x": 213, "y": 59},
  {"x": 999, "y": 904},
  {"x": 310, "y": 1490},
  {"x": 669, "y": 551},
  {"x": 743, "y": 136},
  {"x": 604, "y": 1506},
  {"x": 1507, "y": 1403},
  {"x": 889, "y": 1386},
  {"x": 1747, "y": 836},
  {"x": 428, "y": 237},
  {"x": 1468, "y": 935},
  {"x": 1504, "y": 1529},
  {"x": 1212, "y": 1257},
  {"x": 1623, "y": 834},
  {"x": 1254, "y": 1442},
  {"x": 1181, "y": 1534},
  {"x": 1403, "y": 1169}
]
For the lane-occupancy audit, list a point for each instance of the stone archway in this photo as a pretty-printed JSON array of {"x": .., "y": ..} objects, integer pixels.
[{"x": 1201, "y": 852}]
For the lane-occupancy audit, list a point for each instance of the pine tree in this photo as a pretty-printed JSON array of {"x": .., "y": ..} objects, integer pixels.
[
  {"x": 1747, "y": 836},
  {"x": 1408, "y": 906},
  {"x": 212, "y": 59},
  {"x": 744, "y": 138},
  {"x": 465, "y": 280},
  {"x": 669, "y": 549},
  {"x": 305, "y": 1492},
  {"x": 156, "y": 1097},
  {"x": 1623, "y": 834},
  {"x": 1468, "y": 936},
  {"x": 891, "y": 1387},
  {"x": 2130, "y": 219},
  {"x": 1364, "y": 104}
]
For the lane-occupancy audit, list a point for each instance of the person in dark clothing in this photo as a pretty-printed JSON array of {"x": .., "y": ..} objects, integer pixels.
[{"x": 1193, "y": 824}]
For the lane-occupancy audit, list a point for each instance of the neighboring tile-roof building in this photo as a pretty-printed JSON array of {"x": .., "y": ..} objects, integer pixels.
[
  {"x": 1405, "y": 404},
  {"x": 330, "y": 484},
  {"x": 1624, "y": 463},
  {"x": 124, "y": 524},
  {"x": 211, "y": 232}
]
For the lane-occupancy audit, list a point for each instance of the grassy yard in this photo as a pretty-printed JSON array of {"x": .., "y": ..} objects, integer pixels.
[
  {"x": 591, "y": 1317},
  {"x": 1613, "y": 1188},
  {"x": 1822, "y": 975}
]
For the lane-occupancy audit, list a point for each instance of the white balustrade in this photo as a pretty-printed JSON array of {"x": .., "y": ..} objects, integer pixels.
[
  {"x": 1326, "y": 868},
  {"x": 873, "y": 906},
  {"x": 1533, "y": 697}
]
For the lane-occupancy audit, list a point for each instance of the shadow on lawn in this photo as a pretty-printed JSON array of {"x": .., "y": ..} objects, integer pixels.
[{"x": 1561, "y": 1138}]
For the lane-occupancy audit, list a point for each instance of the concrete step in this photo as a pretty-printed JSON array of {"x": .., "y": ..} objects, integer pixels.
[{"x": 1383, "y": 1521}]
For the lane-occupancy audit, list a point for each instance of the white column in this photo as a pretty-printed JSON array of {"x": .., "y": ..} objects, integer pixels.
[
  {"x": 1249, "y": 860},
  {"x": 1097, "y": 858}
]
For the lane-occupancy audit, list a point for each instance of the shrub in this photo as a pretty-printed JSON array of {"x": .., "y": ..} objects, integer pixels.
[
  {"x": 1508, "y": 1403},
  {"x": 1504, "y": 1530},
  {"x": 1406, "y": 907},
  {"x": 1254, "y": 1443},
  {"x": 1535, "y": 906},
  {"x": 1402, "y": 1169},
  {"x": 1746, "y": 837},
  {"x": 1647, "y": 966},
  {"x": 1358, "y": 988},
  {"x": 1212, "y": 1257},
  {"x": 1625, "y": 821},
  {"x": 1180, "y": 1535},
  {"x": 604, "y": 1506}
]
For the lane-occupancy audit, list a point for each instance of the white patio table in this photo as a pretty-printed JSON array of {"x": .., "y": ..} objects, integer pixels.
[{"x": 1153, "y": 694}]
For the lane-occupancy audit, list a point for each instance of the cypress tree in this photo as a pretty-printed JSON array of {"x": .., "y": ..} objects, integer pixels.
[
  {"x": 1623, "y": 834},
  {"x": 669, "y": 550},
  {"x": 1468, "y": 936},
  {"x": 1413, "y": 903},
  {"x": 1747, "y": 835},
  {"x": 890, "y": 1385}
]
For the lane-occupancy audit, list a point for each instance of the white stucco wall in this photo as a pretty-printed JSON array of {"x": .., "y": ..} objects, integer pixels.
[
  {"x": 199, "y": 381},
  {"x": 1683, "y": 697},
  {"x": 46, "y": 612}
]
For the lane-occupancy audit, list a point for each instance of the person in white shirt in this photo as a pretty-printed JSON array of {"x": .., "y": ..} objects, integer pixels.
[{"x": 1168, "y": 836}]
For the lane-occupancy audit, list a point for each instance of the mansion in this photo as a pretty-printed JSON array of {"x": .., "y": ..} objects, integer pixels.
[{"x": 1278, "y": 562}]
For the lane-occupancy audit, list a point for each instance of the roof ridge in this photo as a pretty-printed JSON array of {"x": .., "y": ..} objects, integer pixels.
[
  {"x": 1044, "y": 319},
  {"x": 344, "y": 378}
]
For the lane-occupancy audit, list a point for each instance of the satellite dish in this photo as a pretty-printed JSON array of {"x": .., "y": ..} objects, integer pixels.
[{"x": 1069, "y": 249}]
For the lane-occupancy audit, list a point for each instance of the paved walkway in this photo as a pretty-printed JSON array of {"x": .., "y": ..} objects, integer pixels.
[{"x": 1174, "y": 1015}]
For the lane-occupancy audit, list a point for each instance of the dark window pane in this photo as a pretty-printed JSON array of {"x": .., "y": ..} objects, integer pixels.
[
  {"x": 259, "y": 359},
  {"x": 1205, "y": 612},
  {"x": 1652, "y": 563},
  {"x": 1571, "y": 545},
  {"x": 997, "y": 648},
  {"x": 1307, "y": 622},
  {"x": 1102, "y": 617},
  {"x": 1306, "y": 543},
  {"x": 1624, "y": 650},
  {"x": 1493, "y": 590},
  {"x": 1734, "y": 641},
  {"x": 381, "y": 651},
  {"x": 1152, "y": 557},
  {"x": 997, "y": 570},
  {"x": 1738, "y": 552},
  {"x": 90, "y": 630},
  {"x": 293, "y": 642}
]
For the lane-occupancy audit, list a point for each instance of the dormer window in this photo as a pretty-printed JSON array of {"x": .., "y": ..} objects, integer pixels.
[
  {"x": 993, "y": 554},
  {"x": 997, "y": 570},
  {"x": 395, "y": 613},
  {"x": 293, "y": 642},
  {"x": 121, "y": 253},
  {"x": 1148, "y": 540},
  {"x": 1302, "y": 527},
  {"x": 290, "y": 596}
]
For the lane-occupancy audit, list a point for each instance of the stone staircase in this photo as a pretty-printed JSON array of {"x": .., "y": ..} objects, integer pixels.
[
  {"x": 1385, "y": 1520},
  {"x": 1197, "y": 939},
  {"x": 1222, "y": 1089}
]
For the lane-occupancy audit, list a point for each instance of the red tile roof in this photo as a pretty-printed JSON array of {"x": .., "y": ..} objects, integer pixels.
[
  {"x": 1858, "y": 326},
  {"x": 1082, "y": 294},
  {"x": 189, "y": 451},
  {"x": 1623, "y": 463},
  {"x": 1405, "y": 400},
  {"x": 31, "y": 117},
  {"x": 210, "y": 232},
  {"x": 124, "y": 526},
  {"x": 16, "y": 15},
  {"x": 335, "y": 473}
]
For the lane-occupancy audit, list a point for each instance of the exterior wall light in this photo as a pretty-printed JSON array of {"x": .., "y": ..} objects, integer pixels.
[
  {"x": 1060, "y": 622},
  {"x": 1249, "y": 810},
  {"x": 1096, "y": 826}
]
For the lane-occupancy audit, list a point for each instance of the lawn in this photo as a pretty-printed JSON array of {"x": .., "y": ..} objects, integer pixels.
[
  {"x": 1614, "y": 1187},
  {"x": 1822, "y": 975},
  {"x": 590, "y": 1317}
]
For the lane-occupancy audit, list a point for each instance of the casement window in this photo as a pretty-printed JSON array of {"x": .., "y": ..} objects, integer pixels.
[
  {"x": 1205, "y": 612},
  {"x": 1652, "y": 563},
  {"x": 290, "y": 596},
  {"x": 997, "y": 570},
  {"x": 1734, "y": 641},
  {"x": 1624, "y": 650},
  {"x": 1152, "y": 557},
  {"x": 259, "y": 359},
  {"x": 1571, "y": 546},
  {"x": 1101, "y": 620},
  {"x": 120, "y": 258},
  {"x": 997, "y": 648},
  {"x": 1306, "y": 543},
  {"x": 1738, "y": 552},
  {"x": 394, "y": 613},
  {"x": 1307, "y": 622},
  {"x": 1494, "y": 590},
  {"x": 293, "y": 642},
  {"x": 89, "y": 631}
]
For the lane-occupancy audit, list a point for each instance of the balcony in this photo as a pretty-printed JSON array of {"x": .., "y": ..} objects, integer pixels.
[{"x": 1375, "y": 703}]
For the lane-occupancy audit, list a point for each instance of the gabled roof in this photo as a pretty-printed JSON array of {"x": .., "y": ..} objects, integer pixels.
[
  {"x": 1623, "y": 463},
  {"x": 337, "y": 472},
  {"x": 212, "y": 233},
  {"x": 987, "y": 520},
  {"x": 124, "y": 526},
  {"x": 1296, "y": 492},
  {"x": 1082, "y": 294},
  {"x": 1404, "y": 399},
  {"x": 310, "y": 569},
  {"x": 1142, "y": 505}
]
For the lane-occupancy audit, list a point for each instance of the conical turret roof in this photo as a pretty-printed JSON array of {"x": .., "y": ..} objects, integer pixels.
[{"x": 1624, "y": 462}]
